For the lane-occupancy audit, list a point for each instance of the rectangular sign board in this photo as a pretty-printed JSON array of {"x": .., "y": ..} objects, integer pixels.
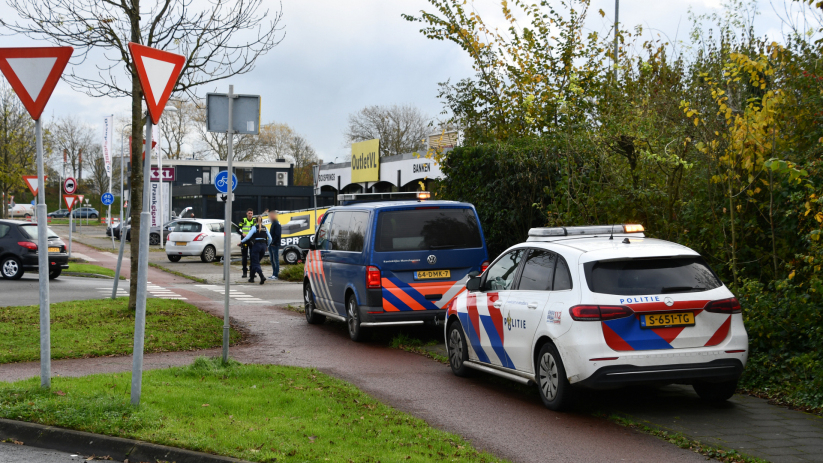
[
  {"x": 168, "y": 174},
  {"x": 246, "y": 117},
  {"x": 365, "y": 161}
]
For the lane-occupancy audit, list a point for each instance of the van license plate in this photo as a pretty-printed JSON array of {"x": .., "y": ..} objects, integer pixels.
[
  {"x": 180, "y": 243},
  {"x": 54, "y": 249},
  {"x": 432, "y": 274},
  {"x": 664, "y": 320}
]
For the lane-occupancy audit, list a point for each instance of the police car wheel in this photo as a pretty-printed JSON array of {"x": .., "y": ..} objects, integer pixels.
[
  {"x": 356, "y": 333},
  {"x": 308, "y": 298},
  {"x": 715, "y": 392},
  {"x": 209, "y": 254},
  {"x": 291, "y": 257},
  {"x": 458, "y": 350},
  {"x": 554, "y": 387}
]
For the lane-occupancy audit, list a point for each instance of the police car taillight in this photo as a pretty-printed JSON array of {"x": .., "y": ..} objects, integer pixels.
[
  {"x": 596, "y": 313},
  {"x": 200, "y": 237},
  {"x": 484, "y": 266},
  {"x": 373, "y": 278},
  {"x": 726, "y": 306}
]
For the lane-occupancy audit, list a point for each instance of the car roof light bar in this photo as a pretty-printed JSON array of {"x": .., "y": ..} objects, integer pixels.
[
  {"x": 587, "y": 230},
  {"x": 351, "y": 198}
]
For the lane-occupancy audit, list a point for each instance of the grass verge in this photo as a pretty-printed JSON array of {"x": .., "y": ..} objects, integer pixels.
[
  {"x": 407, "y": 343},
  {"x": 96, "y": 328},
  {"x": 261, "y": 413},
  {"x": 91, "y": 268},
  {"x": 726, "y": 456},
  {"x": 175, "y": 272},
  {"x": 291, "y": 272}
]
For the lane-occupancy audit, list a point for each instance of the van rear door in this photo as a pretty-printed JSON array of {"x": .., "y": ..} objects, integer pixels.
[{"x": 425, "y": 254}]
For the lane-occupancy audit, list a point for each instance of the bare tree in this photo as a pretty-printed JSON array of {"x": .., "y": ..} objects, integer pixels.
[
  {"x": 17, "y": 150},
  {"x": 72, "y": 137},
  {"x": 99, "y": 179},
  {"x": 277, "y": 140},
  {"x": 219, "y": 38},
  {"x": 303, "y": 156},
  {"x": 178, "y": 128},
  {"x": 269, "y": 145},
  {"x": 401, "y": 129}
]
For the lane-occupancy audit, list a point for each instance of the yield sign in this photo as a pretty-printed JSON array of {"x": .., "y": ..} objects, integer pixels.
[
  {"x": 33, "y": 73},
  {"x": 158, "y": 71},
  {"x": 33, "y": 183},
  {"x": 70, "y": 200},
  {"x": 80, "y": 198}
]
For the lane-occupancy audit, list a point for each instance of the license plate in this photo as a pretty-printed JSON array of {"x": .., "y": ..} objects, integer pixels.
[
  {"x": 432, "y": 274},
  {"x": 664, "y": 320},
  {"x": 180, "y": 243},
  {"x": 54, "y": 249}
]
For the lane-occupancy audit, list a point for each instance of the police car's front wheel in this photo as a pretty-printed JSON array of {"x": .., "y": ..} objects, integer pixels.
[
  {"x": 555, "y": 390},
  {"x": 308, "y": 298},
  {"x": 353, "y": 320},
  {"x": 458, "y": 350}
]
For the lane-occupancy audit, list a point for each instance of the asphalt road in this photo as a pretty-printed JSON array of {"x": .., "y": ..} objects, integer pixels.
[
  {"x": 13, "y": 453},
  {"x": 25, "y": 291}
]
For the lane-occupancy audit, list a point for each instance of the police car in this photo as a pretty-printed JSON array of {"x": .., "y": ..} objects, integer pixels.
[
  {"x": 599, "y": 307},
  {"x": 380, "y": 260}
]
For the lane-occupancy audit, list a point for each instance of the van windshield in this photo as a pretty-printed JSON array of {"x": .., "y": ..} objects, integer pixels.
[
  {"x": 663, "y": 275},
  {"x": 427, "y": 229}
]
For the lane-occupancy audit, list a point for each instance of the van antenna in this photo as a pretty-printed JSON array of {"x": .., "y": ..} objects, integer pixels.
[{"x": 611, "y": 236}]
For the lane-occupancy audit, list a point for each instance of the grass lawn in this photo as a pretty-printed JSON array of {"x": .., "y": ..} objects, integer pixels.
[
  {"x": 260, "y": 413},
  {"x": 91, "y": 268},
  {"x": 95, "y": 328}
]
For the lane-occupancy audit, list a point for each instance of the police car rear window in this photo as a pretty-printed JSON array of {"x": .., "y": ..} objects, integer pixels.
[
  {"x": 636, "y": 277},
  {"x": 427, "y": 229}
]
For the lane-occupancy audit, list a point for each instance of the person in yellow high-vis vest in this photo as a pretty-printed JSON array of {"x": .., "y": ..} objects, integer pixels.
[{"x": 245, "y": 227}]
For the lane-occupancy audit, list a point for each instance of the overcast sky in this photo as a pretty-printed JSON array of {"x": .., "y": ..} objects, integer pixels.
[{"x": 340, "y": 56}]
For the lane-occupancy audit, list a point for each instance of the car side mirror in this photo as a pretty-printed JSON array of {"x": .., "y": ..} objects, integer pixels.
[
  {"x": 473, "y": 284},
  {"x": 305, "y": 243},
  {"x": 473, "y": 273}
]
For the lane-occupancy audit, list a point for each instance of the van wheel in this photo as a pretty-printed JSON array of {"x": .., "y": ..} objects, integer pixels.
[
  {"x": 308, "y": 298},
  {"x": 458, "y": 350},
  {"x": 554, "y": 387},
  {"x": 353, "y": 320},
  {"x": 291, "y": 257},
  {"x": 209, "y": 254},
  {"x": 715, "y": 392},
  {"x": 11, "y": 268}
]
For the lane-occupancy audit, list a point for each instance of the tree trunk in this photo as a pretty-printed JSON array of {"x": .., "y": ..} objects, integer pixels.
[{"x": 136, "y": 193}]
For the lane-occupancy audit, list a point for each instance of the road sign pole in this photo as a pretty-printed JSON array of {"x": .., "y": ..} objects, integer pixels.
[
  {"x": 120, "y": 254},
  {"x": 142, "y": 274},
  {"x": 227, "y": 229},
  {"x": 43, "y": 264}
]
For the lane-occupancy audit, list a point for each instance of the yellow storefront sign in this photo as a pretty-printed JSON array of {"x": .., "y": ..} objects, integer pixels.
[{"x": 365, "y": 161}]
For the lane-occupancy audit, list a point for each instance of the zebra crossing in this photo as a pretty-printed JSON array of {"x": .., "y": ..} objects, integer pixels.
[
  {"x": 234, "y": 294},
  {"x": 154, "y": 290}
]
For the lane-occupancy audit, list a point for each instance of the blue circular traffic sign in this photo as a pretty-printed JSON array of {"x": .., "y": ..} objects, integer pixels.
[
  {"x": 107, "y": 199},
  {"x": 221, "y": 181}
]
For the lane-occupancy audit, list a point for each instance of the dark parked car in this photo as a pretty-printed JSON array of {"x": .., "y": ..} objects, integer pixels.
[
  {"x": 154, "y": 236},
  {"x": 85, "y": 213},
  {"x": 118, "y": 227},
  {"x": 59, "y": 213},
  {"x": 18, "y": 250}
]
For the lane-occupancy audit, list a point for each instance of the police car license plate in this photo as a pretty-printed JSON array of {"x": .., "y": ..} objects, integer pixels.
[
  {"x": 54, "y": 249},
  {"x": 664, "y": 320},
  {"x": 432, "y": 274},
  {"x": 180, "y": 243}
]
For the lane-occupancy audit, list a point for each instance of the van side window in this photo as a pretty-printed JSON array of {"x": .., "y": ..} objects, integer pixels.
[
  {"x": 357, "y": 231},
  {"x": 562, "y": 277},
  {"x": 322, "y": 239},
  {"x": 338, "y": 239},
  {"x": 538, "y": 271}
]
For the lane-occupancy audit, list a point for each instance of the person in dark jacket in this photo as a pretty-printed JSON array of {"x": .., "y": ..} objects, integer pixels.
[
  {"x": 260, "y": 237},
  {"x": 274, "y": 247}
]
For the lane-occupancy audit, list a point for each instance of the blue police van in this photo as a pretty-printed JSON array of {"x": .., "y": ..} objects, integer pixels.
[{"x": 381, "y": 259}]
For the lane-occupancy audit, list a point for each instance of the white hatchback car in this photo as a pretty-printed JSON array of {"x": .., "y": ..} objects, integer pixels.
[
  {"x": 599, "y": 307},
  {"x": 200, "y": 237}
]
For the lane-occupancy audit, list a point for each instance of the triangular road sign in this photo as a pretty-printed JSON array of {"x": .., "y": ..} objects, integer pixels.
[
  {"x": 33, "y": 182},
  {"x": 158, "y": 71},
  {"x": 70, "y": 200},
  {"x": 33, "y": 73},
  {"x": 80, "y": 198}
]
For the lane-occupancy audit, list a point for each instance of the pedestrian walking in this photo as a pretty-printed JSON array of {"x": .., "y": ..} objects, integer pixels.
[
  {"x": 260, "y": 238},
  {"x": 274, "y": 247},
  {"x": 245, "y": 226}
]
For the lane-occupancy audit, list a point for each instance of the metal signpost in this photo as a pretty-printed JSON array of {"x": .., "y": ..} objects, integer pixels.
[
  {"x": 33, "y": 73},
  {"x": 107, "y": 199},
  {"x": 231, "y": 114},
  {"x": 315, "y": 169},
  {"x": 158, "y": 71}
]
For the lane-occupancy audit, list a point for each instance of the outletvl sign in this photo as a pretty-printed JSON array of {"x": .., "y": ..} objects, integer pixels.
[{"x": 365, "y": 161}]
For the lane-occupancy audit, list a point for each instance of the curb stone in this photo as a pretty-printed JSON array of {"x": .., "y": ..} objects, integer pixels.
[{"x": 85, "y": 443}]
